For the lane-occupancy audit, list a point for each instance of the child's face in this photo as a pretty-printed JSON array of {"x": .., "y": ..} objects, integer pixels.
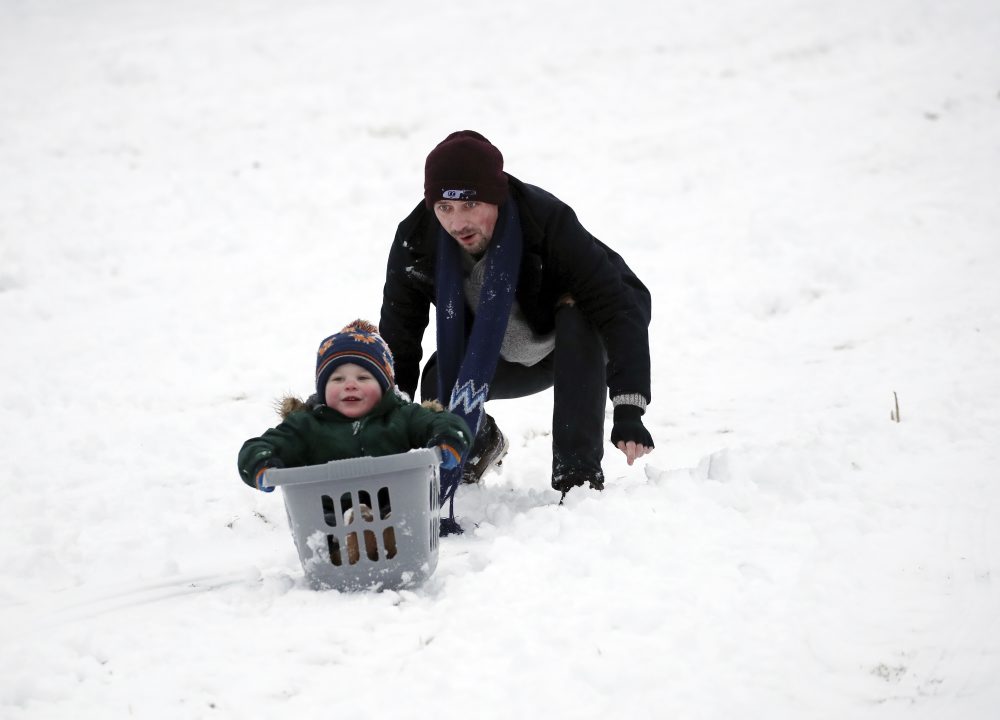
[{"x": 352, "y": 391}]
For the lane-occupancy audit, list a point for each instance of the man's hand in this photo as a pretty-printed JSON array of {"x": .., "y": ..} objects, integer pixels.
[
  {"x": 632, "y": 451},
  {"x": 629, "y": 434}
]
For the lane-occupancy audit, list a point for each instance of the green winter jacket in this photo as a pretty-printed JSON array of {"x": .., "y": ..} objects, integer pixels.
[{"x": 311, "y": 433}]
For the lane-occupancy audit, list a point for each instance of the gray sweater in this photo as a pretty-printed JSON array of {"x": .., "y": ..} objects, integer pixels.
[{"x": 521, "y": 344}]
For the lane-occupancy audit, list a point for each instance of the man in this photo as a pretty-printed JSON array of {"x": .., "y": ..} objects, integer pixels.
[{"x": 526, "y": 299}]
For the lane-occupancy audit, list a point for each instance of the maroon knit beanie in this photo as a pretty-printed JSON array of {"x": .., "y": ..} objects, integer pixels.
[{"x": 465, "y": 166}]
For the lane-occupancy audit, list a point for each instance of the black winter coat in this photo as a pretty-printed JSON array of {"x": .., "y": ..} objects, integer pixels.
[{"x": 559, "y": 257}]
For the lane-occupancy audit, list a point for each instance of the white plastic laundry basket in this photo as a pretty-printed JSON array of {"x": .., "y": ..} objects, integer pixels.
[{"x": 365, "y": 522}]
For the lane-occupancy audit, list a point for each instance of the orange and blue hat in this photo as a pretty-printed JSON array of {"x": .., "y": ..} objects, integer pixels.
[{"x": 358, "y": 343}]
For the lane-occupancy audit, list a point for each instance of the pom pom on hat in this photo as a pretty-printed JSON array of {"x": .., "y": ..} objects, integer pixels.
[
  {"x": 358, "y": 343},
  {"x": 465, "y": 166}
]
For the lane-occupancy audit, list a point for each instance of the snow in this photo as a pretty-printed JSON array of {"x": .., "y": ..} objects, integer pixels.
[{"x": 193, "y": 194}]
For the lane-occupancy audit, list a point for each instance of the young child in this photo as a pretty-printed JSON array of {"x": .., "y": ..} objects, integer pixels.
[{"x": 355, "y": 412}]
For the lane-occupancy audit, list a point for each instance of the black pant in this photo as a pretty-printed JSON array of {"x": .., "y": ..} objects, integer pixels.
[{"x": 576, "y": 372}]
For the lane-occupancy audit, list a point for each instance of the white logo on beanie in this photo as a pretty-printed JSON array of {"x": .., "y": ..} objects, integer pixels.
[{"x": 466, "y": 194}]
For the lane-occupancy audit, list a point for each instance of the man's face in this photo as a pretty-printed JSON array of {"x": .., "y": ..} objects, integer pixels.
[{"x": 471, "y": 223}]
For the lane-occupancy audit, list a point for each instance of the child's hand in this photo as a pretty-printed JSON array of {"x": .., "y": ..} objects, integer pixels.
[
  {"x": 450, "y": 457},
  {"x": 258, "y": 479}
]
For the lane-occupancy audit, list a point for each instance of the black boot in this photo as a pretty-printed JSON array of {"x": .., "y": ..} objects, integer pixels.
[{"x": 487, "y": 452}]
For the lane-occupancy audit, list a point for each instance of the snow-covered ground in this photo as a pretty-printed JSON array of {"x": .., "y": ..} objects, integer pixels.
[{"x": 194, "y": 193}]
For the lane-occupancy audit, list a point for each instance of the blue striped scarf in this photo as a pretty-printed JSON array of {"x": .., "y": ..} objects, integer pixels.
[{"x": 466, "y": 368}]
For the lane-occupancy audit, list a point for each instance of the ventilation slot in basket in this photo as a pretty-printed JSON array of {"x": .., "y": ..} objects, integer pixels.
[
  {"x": 334, "y": 546},
  {"x": 435, "y": 530},
  {"x": 389, "y": 541},
  {"x": 329, "y": 513},
  {"x": 384, "y": 503}
]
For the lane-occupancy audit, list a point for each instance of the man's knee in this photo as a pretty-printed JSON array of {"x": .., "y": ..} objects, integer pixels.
[
  {"x": 569, "y": 317},
  {"x": 573, "y": 326}
]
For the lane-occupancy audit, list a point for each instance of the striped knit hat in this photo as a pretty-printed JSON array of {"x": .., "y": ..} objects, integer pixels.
[{"x": 358, "y": 343}]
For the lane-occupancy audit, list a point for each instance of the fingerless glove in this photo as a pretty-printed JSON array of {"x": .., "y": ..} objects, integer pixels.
[{"x": 628, "y": 426}]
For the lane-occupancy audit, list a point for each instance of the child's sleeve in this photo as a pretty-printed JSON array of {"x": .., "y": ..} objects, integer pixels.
[
  {"x": 430, "y": 427},
  {"x": 284, "y": 443}
]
